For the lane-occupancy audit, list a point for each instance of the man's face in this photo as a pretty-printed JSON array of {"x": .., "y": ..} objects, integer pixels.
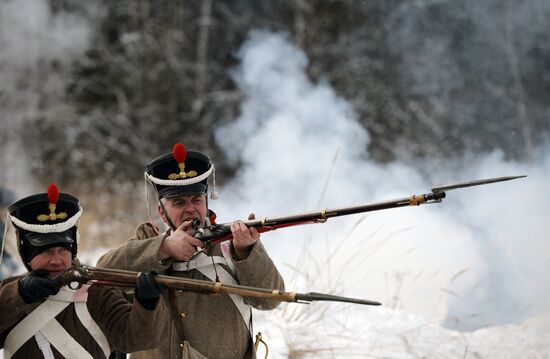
[
  {"x": 185, "y": 208},
  {"x": 55, "y": 260}
]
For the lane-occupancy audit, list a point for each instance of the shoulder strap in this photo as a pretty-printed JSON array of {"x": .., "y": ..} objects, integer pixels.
[
  {"x": 204, "y": 264},
  {"x": 42, "y": 324},
  {"x": 92, "y": 327},
  {"x": 63, "y": 341},
  {"x": 31, "y": 324},
  {"x": 227, "y": 278},
  {"x": 197, "y": 262},
  {"x": 44, "y": 345}
]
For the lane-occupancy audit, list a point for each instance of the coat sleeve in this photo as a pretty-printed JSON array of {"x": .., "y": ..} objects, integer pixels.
[
  {"x": 128, "y": 326},
  {"x": 135, "y": 255},
  {"x": 258, "y": 270},
  {"x": 12, "y": 307}
]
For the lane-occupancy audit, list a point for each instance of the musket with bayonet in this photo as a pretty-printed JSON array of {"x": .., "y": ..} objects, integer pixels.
[
  {"x": 221, "y": 232},
  {"x": 80, "y": 274}
]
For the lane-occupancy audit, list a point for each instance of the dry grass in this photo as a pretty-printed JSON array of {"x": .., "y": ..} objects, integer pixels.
[
  {"x": 330, "y": 330},
  {"x": 110, "y": 217},
  {"x": 322, "y": 329}
]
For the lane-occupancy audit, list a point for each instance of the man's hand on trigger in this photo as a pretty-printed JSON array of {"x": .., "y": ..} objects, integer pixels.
[
  {"x": 243, "y": 237},
  {"x": 180, "y": 245}
]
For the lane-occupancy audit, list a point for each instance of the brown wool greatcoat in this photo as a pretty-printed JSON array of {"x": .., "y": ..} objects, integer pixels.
[
  {"x": 212, "y": 325},
  {"x": 128, "y": 327}
]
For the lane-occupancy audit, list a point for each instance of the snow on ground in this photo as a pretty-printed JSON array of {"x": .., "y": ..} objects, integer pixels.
[
  {"x": 323, "y": 330},
  {"x": 348, "y": 331}
]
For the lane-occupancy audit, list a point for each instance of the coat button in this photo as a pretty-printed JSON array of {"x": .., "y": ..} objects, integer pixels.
[{"x": 183, "y": 315}]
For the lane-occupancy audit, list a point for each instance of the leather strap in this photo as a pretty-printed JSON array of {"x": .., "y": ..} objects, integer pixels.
[
  {"x": 227, "y": 278},
  {"x": 64, "y": 342},
  {"x": 197, "y": 262},
  {"x": 31, "y": 324},
  {"x": 42, "y": 324},
  {"x": 44, "y": 345},
  {"x": 92, "y": 327}
]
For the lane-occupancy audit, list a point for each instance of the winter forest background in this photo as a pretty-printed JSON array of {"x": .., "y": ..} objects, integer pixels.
[{"x": 304, "y": 105}]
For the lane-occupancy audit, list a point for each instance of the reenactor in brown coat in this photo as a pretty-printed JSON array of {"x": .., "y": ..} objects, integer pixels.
[
  {"x": 42, "y": 318},
  {"x": 202, "y": 326}
]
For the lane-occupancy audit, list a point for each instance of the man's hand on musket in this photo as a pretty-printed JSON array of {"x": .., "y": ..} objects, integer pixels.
[
  {"x": 180, "y": 245},
  {"x": 244, "y": 237}
]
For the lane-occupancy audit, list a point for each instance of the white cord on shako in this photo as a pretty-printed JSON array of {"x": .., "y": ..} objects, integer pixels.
[{"x": 47, "y": 228}]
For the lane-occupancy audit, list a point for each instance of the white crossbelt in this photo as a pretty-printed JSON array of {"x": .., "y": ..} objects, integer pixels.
[
  {"x": 44, "y": 345},
  {"x": 95, "y": 331},
  {"x": 203, "y": 264},
  {"x": 63, "y": 341},
  {"x": 42, "y": 324},
  {"x": 197, "y": 262}
]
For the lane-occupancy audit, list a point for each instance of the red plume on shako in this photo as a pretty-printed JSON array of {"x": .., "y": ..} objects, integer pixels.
[
  {"x": 53, "y": 197},
  {"x": 180, "y": 155},
  {"x": 179, "y": 152},
  {"x": 53, "y": 193}
]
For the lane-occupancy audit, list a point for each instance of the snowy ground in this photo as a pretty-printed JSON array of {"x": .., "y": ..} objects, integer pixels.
[
  {"x": 346, "y": 331},
  {"x": 351, "y": 332}
]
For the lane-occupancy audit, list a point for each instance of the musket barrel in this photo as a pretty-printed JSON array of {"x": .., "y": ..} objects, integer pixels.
[
  {"x": 122, "y": 278},
  {"x": 221, "y": 232},
  {"x": 311, "y": 217}
]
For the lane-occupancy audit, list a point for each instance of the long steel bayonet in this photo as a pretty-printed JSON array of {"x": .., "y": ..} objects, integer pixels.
[{"x": 475, "y": 183}]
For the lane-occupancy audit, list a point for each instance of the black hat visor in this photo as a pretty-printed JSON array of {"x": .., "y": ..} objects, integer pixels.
[
  {"x": 176, "y": 191},
  {"x": 46, "y": 239}
]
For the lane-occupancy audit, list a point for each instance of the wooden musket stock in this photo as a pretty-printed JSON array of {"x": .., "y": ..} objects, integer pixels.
[{"x": 121, "y": 278}]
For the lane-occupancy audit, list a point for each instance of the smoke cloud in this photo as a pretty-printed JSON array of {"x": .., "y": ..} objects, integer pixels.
[
  {"x": 477, "y": 259},
  {"x": 32, "y": 37}
]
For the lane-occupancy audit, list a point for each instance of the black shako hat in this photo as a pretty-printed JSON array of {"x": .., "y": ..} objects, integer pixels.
[
  {"x": 45, "y": 220},
  {"x": 180, "y": 173}
]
